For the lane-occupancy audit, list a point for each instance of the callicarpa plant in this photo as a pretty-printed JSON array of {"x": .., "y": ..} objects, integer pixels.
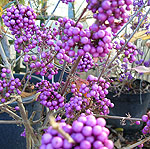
[{"x": 76, "y": 121}]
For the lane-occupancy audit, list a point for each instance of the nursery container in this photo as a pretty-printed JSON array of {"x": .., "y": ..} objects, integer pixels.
[
  {"x": 10, "y": 133},
  {"x": 134, "y": 104}
]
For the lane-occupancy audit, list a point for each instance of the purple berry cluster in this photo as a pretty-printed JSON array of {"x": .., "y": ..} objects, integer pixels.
[
  {"x": 46, "y": 37},
  {"x": 97, "y": 90},
  {"x": 110, "y": 13},
  {"x": 85, "y": 63},
  {"x": 67, "y": 1},
  {"x": 125, "y": 74},
  {"x": 87, "y": 132},
  {"x": 147, "y": 63},
  {"x": 77, "y": 103},
  {"x": 146, "y": 118},
  {"x": 49, "y": 96},
  {"x": 20, "y": 21},
  {"x": 130, "y": 51},
  {"x": 100, "y": 41},
  {"x": 70, "y": 38},
  {"x": 8, "y": 87},
  {"x": 19, "y": 17},
  {"x": 42, "y": 65},
  {"x": 95, "y": 40},
  {"x": 53, "y": 140}
]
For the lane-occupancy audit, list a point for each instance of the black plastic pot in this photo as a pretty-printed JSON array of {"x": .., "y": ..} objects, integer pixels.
[
  {"x": 10, "y": 133},
  {"x": 134, "y": 104}
]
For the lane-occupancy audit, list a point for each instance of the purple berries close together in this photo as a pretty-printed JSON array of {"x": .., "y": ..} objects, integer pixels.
[
  {"x": 53, "y": 140},
  {"x": 129, "y": 51},
  {"x": 87, "y": 132},
  {"x": 75, "y": 105},
  {"x": 8, "y": 87},
  {"x": 85, "y": 63},
  {"x": 49, "y": 96},
  {"x": 19, "y": 17},
  {"x": 146, "y": 118},
  {"x": 42, "y": 65},
  {"x": 20, "y": 21},
  {"x": 100, "y": 41},
  {"x": 97, "y": 90},
  {"x": 95, "y": 40},
  {"x": 110, "y": 13}
]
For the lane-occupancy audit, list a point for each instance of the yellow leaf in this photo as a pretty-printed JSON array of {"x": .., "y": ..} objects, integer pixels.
[
  {"x": 3, "y": 2},
  {"x": 119, "y": 129},
  {"x": 117, "y": 144},
  {"x": 146, "y": 37},
  {"x": 138, "y": 35},
  {"x": 1, "y": 11}
]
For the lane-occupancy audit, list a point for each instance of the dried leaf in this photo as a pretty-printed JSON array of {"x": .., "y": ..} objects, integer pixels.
[
  {"x": 1, "y": 11},
  {"x": 3, "y": 2},
  {"x": 146, "y": 37},
  {"x": 139, "y": 35},
  {"x": 79, "y": 82},
  {"x": 142, "y": 69},
  {"x": 95, "y": 60},
  {"x": 26, "y": 94},
  {"x": 117, "y": 144},
  {"x": 119, "y": 129}
]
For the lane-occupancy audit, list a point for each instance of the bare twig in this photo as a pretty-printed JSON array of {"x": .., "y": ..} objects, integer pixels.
[
  {"x": 109, "y": 64},
  {"x": 71, "y": 72},
  {"x": 61, "y": 131},
  {"x": 26, "y": 121},
  {"x": 7, "y": 103},
  {"x": 52, "y": 12},
  {"x": 62, "y": 72},
  {"x": 12, "y": 114},
  {"x": 130, "y": 20},
  {"x": 84, "y": 10},
  {"x": 138, "y": 143},
  {"x": 10, "y": 122},
  {"x": 119, "y": 117},
  {"x": 5, "y": 61}
]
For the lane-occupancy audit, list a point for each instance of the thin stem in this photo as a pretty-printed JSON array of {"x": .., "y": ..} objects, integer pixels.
[
  {"x": 51, "y": 59},
  {"x": 12, "y": 114},
  {"x": 16, "y": 60},
  {"x": 47, "y": 119},
  {"x": 10, "y": 122},
  {"x": 5, "y": 61},
  {"x": 26, "y": 122},
  {"x": 71, "y": 72},
  {"x": 84, "y": 10},
  {"x": 130, "y": 20},
  {"x": 79, "y": 7},
  {"x": 7, "y": 103},
  {"x": 52, "y": 12},
  {"x": 62, "y": 72},
  {"x": 127, "y": 40},
  {"x": 104, "y": 67},
  {"x": 27, "y": 81},
  {"x": 119, "y": 117},
  {"x": 138, "y": 143}
]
